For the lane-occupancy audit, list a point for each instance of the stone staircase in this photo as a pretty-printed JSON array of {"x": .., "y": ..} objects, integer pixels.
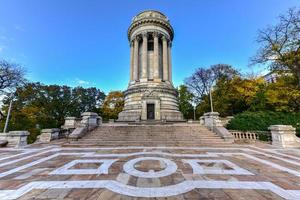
[{"x": 181, "y": 134}]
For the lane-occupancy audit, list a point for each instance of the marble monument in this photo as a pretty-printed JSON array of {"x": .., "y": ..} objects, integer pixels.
[{"x": 150, "y": 94}]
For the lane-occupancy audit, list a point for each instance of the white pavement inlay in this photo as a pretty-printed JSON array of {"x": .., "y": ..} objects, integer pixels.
[
  {"x": 165, "y": 191},
  {"x": 102, "y": 169},
  {"x": 198, "y": 169},
  {"x": 129, "y": 168}
]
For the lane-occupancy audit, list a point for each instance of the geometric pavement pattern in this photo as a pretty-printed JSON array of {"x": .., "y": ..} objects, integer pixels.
[{"x": 236, "y": 172}]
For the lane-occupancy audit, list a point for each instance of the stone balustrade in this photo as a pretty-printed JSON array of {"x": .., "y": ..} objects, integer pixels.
[
  {"x": 284, "y": 136},
  {"x": 89, "y": 122},
  {"x": 211, "y": 120},
  {"x": 244, "y": 136},
  {"x": 16, "y": 139},
  {"x": 48, "y": 135}
]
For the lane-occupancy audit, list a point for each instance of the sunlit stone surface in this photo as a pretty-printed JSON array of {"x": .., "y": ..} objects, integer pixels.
[
  {"x": 56, "y": 171},
  {"x": 150, "y": 94}
]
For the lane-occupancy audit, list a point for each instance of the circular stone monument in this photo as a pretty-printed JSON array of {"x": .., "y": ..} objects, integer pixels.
[{"x": 150, "y": 94}]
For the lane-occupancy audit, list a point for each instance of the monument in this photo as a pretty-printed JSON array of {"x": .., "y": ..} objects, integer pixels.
[{"x": 150, "y": 94}]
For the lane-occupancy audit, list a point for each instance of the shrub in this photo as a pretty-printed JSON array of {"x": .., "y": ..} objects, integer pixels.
[{"x": 260, "y": 121}]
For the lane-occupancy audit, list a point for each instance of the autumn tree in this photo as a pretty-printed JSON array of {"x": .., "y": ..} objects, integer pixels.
[
  {"x": 280, "y": 44},
  {"x": 236, "y": 95},
  {"x": 113, "y": 105},
  {"x": 283, "y": 95},
  {"x": 200, "y": 82}
]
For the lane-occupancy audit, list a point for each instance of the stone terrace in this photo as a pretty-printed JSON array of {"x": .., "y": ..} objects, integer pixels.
[{"x": 87, "y": 169}]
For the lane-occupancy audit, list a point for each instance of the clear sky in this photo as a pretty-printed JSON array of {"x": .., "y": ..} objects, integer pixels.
[{"x": 84, "y": 42}]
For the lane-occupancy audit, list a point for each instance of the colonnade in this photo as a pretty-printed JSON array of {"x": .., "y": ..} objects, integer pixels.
[{"x": 139, "y": 68}]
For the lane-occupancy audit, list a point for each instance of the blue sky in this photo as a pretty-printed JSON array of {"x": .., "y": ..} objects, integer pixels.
[{"x": 79, "y": 42}]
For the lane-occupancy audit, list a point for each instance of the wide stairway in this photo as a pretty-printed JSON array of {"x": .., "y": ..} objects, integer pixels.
[{"x": 181, "y": 134}]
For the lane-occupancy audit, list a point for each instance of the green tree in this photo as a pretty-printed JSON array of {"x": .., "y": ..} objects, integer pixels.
[
  {"x": 37, "y": 106},
  {"x": 184, "y": 99},
  {"x": 113, "y": 105}
]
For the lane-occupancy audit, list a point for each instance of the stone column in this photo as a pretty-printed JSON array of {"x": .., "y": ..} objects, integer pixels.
[
  {"x": 131, "y": 60},
  {"x": 170, "y": 61},
  {"x": 144, "y": 56},
  {"x": 155, "y": 57},
  {"x": 136, "y": 59},
  {"x": 165, "y": 59}
]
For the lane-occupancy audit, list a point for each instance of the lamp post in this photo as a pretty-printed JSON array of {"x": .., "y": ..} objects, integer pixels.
[
  {"x": 211, "y": 102},
  {"x": 8, "y": 113},
  {"x": 194, "y": 112}
]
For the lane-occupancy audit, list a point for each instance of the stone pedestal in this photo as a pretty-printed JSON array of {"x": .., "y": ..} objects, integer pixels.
[
  {"x": 16, "y": 139},
  {"x": 284, "y": 136},
  {"x": 90, "y": 120},
  {"x": 70, "y": 123},
  {"x": 211, "y": 119},
  {"x": 48, "y": 135},
  {"x": 202, "y": 120}
]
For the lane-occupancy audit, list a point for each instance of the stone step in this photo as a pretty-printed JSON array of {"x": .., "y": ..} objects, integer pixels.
[
  {"x": 154, "y": 140},
  {"x": 150, "y": 135},
  {"x": 144, "y": 144}
]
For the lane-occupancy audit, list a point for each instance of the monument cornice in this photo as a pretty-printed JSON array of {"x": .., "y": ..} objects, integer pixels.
[
  {"x": 143, "y": 89},
  {"x": 151, "y": 21}
]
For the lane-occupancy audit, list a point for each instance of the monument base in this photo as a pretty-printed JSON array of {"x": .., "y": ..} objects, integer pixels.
[{"x": 154, "y": 101}]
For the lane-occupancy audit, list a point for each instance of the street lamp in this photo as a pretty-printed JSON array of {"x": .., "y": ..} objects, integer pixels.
[
  {"x": 194, "y": 112},
  {"x": 211, "y": 102},
  {"x": 8, "y": 113}
]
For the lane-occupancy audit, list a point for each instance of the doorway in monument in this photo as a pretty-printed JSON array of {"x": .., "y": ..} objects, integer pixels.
[{"x": 150, "y": 111}]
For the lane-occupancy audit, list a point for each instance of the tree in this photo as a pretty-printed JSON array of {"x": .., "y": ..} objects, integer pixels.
[
  {"x": 113, "y": 105},
  {"x": 280, "y": 44},
  {"x": 37, "y": 106},
  {"x": 236, "y": 95},
  {"x": 283, "y": 95},
  {"x": 11, "y": 75},
  {"x": 185, "y": 97},
  {"x": 200, "y": 82}
]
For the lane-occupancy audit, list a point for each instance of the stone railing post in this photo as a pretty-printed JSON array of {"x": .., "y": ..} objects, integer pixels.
[
  {"x": 16, "y": 139},
  {"x": 202, "y": 120},
  {"x": 90, "y": 120},
  {"x": 212, "y": 121},
  {"x": 284, "y": 136},
  {"x": 70, "y": 123},
  {"x": 48, "y": 135}
]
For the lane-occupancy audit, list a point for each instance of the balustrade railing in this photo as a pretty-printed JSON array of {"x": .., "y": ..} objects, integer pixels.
[{"x": 251, "y": 135}]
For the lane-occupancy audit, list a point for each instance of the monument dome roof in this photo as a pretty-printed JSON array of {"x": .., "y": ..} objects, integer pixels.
[
  {"x": 150, "y": 14},
  {"x": 152, "y": 17}
]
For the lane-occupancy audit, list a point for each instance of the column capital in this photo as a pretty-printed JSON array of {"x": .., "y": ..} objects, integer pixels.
[
  {"x": 164, "y": 37},
  {"x": 156, "y": 34},
  {"x": 137, "y": 38},
  {"x": 131, "y": 43},
  {"x": 145, "y": 34}
]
